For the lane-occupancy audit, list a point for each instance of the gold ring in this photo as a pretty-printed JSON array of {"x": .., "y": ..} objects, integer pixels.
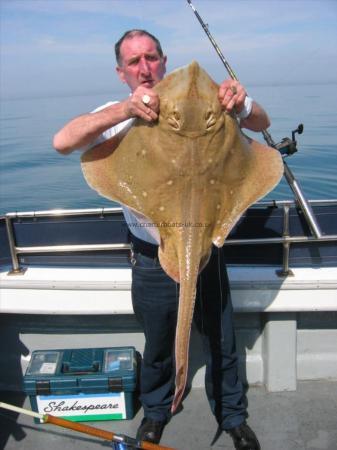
[
  {"x": 234, "y": 90},
  {"x": 146, "y": 99}
]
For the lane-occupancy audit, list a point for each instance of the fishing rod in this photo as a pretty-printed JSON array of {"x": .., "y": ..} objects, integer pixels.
[
  {"x": 286, "y": 147},
  {"x": 122, "y": 442}
]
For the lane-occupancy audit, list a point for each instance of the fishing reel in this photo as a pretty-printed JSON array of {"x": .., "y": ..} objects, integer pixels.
[
  {"x": 287, "y": 146},
  {"x": 126, "y": 443}
]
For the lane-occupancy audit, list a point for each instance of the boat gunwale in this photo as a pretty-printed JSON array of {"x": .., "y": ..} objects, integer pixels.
[
  {"x": 284, "y": 239},
  {"x": 118, "y": 209}
]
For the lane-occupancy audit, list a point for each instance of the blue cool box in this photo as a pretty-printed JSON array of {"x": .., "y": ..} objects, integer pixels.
[{"x": 83, "y": 384}]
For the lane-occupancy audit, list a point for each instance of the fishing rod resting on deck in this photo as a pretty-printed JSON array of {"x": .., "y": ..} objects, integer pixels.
[
  {"x": 118, "y": 442},
  {"x": 286, "y": 147}
]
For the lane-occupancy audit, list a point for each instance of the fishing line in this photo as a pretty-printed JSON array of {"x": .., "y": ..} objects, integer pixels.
[
  {"x": 201, "y": 301},
  {"x": 177, "y": 293},
  {"x": 221, "y": 293}
]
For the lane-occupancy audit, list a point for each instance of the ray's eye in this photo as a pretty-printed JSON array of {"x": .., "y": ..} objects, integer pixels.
[
  {"x": 209, "y": 119},
  {"x": 174, "y": 120}
]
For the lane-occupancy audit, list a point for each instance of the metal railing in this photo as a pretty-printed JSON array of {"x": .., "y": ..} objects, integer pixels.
[{"x": 286, "y": 240}]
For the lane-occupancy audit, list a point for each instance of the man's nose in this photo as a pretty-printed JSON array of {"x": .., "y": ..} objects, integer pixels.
[{"x": 144, "y": 66}]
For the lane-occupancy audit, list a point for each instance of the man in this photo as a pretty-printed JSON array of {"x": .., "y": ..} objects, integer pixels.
[{"x": 141, "y": 65}]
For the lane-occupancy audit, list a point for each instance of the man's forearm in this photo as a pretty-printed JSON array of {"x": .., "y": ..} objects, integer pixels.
[
  {"x": 84, "y": 129},
  {"x": 257, "y": 120}
]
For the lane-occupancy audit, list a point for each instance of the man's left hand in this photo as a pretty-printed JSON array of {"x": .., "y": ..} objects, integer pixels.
[{"x": 232, "y": 96}]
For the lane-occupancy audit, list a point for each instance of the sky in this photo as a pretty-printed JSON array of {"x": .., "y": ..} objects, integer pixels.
[{"x": 65, "y": 47}]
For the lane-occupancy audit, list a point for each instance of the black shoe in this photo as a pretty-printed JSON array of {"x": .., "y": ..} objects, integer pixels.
[
  {"x": 150, "y": 430},
  {"x": 244, "y": 437}
]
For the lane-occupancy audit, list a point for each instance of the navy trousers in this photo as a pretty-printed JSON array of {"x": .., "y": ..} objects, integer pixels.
[{"x": 155, "y": 302}]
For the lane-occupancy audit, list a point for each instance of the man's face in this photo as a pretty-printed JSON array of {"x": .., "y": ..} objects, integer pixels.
[{"x": 140, "y": 62}]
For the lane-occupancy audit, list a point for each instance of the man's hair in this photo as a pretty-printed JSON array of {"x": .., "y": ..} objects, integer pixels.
[{"x": 132, "y": 33}]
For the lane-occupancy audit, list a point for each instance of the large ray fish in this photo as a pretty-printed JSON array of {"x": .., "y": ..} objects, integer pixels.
[{"x": 192, "y": 173}]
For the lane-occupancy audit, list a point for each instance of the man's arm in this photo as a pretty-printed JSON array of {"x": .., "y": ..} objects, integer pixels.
[
  {"x": 84, "y": 129},
  {"x": 232, "y": 96},
  {"x": 257, "y": 120}
]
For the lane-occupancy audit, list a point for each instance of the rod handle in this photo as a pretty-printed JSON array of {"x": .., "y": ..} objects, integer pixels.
[{"x": 82, "y": 428}]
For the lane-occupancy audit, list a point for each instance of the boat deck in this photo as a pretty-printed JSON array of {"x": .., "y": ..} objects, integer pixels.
[{"x": 302, "y": 420}]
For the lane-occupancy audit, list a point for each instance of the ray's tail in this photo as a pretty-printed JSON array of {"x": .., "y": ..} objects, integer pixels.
[{"x": 189, "y": 269}]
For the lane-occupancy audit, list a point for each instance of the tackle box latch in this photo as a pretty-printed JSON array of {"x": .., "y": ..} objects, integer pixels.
[
  {"x": 115, "y": 384},
  {"x": 42, "y": 387}
]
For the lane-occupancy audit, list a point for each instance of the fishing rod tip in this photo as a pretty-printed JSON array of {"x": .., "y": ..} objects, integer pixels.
[{"x": 191, "y": 4}]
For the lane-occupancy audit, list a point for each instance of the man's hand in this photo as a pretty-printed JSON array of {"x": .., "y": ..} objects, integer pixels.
[
  {"x": 143, "y": 103},
  {"x": 232, "y": 96}
]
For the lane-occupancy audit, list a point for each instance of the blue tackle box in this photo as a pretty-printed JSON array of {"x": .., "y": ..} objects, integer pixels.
[{"x": 83, "y": 384}]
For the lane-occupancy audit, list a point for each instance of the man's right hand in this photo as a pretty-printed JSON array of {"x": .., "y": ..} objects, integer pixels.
[{"x": 136, "y": 107}]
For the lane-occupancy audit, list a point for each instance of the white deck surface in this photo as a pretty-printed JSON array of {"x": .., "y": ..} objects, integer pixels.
[{"x": 301, "y": 420}]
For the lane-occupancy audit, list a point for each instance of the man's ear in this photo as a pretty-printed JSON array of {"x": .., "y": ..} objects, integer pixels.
[
  {"x": 120, "y": 73},
  {"x": 165, "y": 62}
]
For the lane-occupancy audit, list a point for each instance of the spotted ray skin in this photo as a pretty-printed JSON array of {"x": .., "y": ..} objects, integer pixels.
[{"x": 193, "y": 173}]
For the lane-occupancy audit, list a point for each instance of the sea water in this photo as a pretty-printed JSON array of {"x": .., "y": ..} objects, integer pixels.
[{"x": 33, "y": 176}]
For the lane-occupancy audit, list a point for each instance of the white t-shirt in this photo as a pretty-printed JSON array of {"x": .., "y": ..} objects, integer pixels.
[{"x": 141, "y": 227}]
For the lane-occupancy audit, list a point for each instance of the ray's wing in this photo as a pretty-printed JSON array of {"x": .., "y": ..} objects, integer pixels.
[
  {"x": 124, "y": 170},
  {"x": 252, "y": 170}
]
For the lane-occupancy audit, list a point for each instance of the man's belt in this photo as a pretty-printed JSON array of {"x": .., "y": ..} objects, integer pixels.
[{"x": 143, "y": 247}]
